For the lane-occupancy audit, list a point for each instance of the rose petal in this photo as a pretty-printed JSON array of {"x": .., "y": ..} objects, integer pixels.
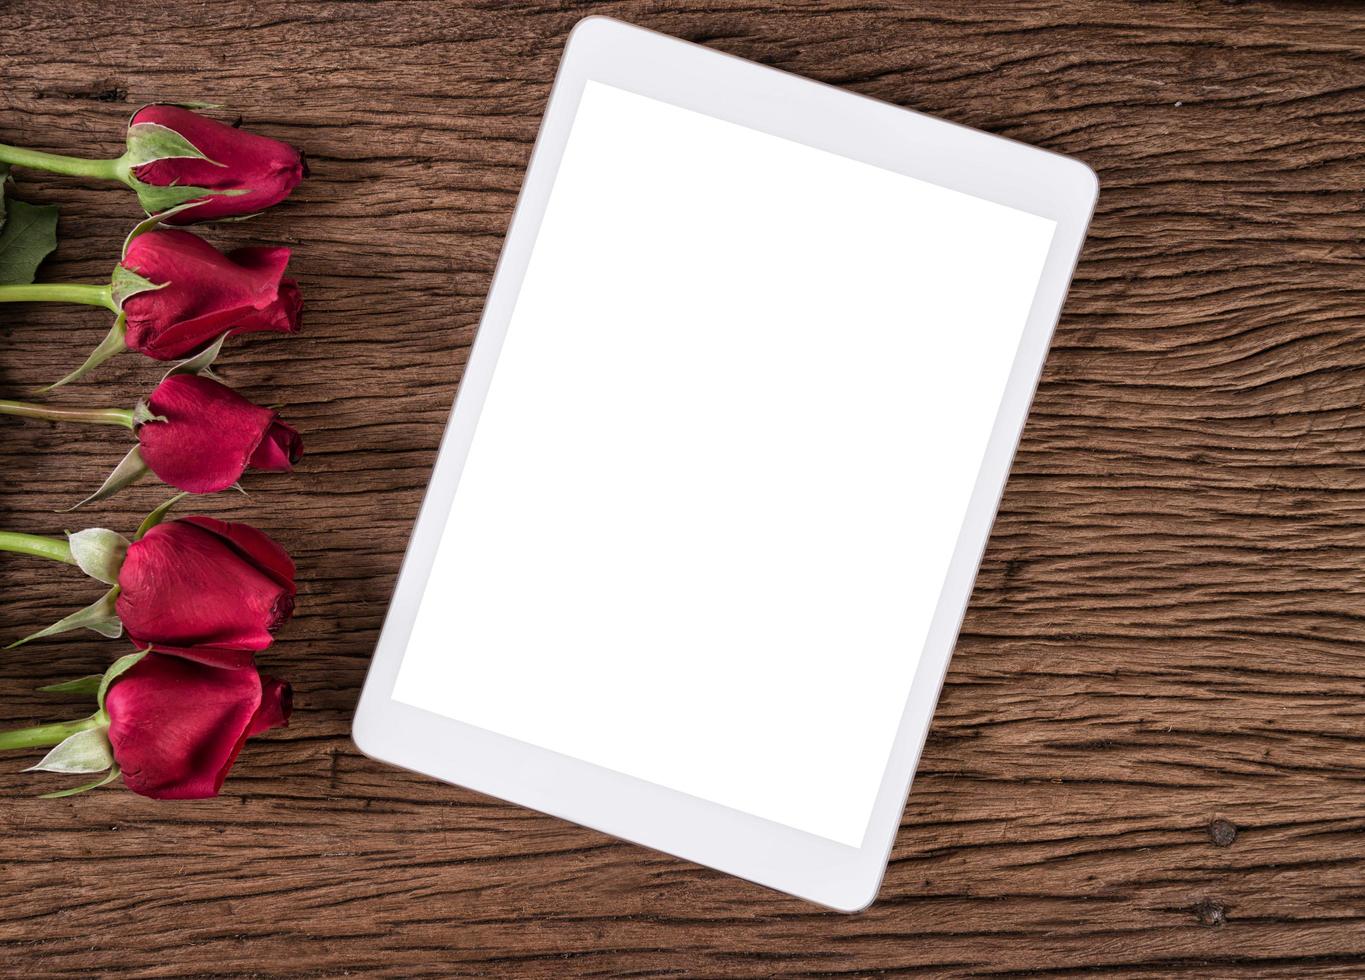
[
  {"x": 256, "y": 545},
  {"x": 205, "y": 589},
  {"x": 279, "y": 450},
  {"x": 277, "y": 704},
  {"x": 176, "y": 727},
  {"x": 206, "y": 436}
]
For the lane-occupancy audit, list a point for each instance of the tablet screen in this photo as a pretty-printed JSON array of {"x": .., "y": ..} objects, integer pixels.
[{"x": 721, "y": 469}]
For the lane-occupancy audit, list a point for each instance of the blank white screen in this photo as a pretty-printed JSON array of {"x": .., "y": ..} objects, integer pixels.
[{"x": 721, "y": 469}]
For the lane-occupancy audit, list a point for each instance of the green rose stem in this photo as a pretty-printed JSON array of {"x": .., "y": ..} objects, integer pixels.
[
  {"x": 41, "y": 736},
  {"x": 77, "y": 292},
  {"x": 119, "y": 168},
  {"x": 57, "y": 292},
  {"x": 97, "y": 416},
  {"x": 37, "y": 545}
]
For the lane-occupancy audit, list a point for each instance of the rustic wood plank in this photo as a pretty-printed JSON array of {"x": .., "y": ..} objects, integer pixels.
[{"x": 1147, "y": 760}]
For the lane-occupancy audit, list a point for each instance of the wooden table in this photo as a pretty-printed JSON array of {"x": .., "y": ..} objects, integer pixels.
[{"x": 1148, "y": 759}]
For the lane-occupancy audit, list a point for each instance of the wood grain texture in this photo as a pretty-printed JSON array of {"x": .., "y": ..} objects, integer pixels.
[{"x": 1148, "y": 759}]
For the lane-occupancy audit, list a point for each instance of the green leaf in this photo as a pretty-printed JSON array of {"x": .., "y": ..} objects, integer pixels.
[
  {"x": 100, "y": 616},
  {"x": 113, "y": 774},
  {"x": 86, "y": 751},
  {"x": 127, "y": 283},
  {"x": 99, "y": 552},
  {"x": 129, "y": 470},
  {"x": 157, "y": 516},
  {"x": 4, "y": 186},
  {"x": 117, "y": 668},
  {"x": 29, "y": 235},
  {"x": 89, "y": 684}
]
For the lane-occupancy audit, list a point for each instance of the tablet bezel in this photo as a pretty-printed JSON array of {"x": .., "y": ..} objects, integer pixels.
[{"x": 768, "y": 100}]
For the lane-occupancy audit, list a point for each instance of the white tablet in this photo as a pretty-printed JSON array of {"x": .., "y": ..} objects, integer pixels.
[{"x": 724, "y": 460}]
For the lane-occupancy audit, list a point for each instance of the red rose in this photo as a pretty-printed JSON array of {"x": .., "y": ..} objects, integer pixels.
[
  {"x": 176, "y": 727},
  {"x": 256, "y": 171},
  {"x": 204, "y": 293},
  {"x": 203, "y": 435},
  {"x": 205, "y": 590}
]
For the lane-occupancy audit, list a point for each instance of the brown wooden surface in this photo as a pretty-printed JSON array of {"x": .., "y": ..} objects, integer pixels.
[{"x": 1148, "y": 759}]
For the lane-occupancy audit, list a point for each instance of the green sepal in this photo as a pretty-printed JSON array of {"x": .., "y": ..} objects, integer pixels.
[
  {"x": 116, "y": 669},
  {"x": 28, "y": 235},
  {"x": 99, "y": 552},
  {"x": 112, "y": 344},
  {"x": 157, "y": 516},
  {"x": 114, "y": 773},
  {"x": 150, "y": 222},
  {"x": 230, "y": 218},
  {"x": 85, "y": 751},
  {"x": 148, "y": 142},
  {"x": 89, "y": 684},
  {"x": 156, "y": 199},
  {"x": 142, "y": 413},
  {"x": 200, "y": 363},
  {"x": 100, "y": 616},
  {"x": 127, "y": 283},
  {"x": 129, "y": 470}
]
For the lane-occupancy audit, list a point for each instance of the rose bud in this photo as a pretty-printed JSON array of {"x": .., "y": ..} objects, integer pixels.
[
  {"x": 171, "y": 728},
  {"x": 199, "y": 435},
  {"x": 194, "y": 433},
  {"x": 205, "y": 590},
  {"x": 198, "y": 588},
  {"x": 198, "y": 294},
  {"x": 175, "y": 295},
  {"x": 243, "y": 173},
  {"x": 185, "y": 166}
]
